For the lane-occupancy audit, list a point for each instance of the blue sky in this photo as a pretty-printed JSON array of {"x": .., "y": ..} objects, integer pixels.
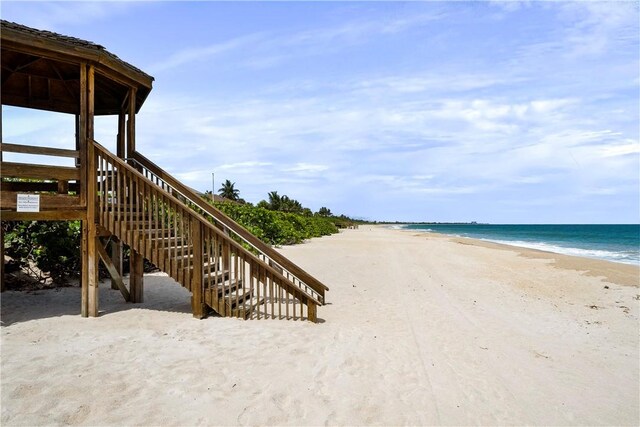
[{"x": 502, "y": 112}]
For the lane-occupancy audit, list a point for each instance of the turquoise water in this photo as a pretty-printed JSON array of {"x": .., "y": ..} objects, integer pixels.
[{"x": 612, "y": 242}]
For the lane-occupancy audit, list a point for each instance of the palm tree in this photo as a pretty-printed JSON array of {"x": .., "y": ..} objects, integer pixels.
[
  {"x": 324, "y": 211},
  {"x": 228, "y": 191},
  {"x": 274, "y": 201}
]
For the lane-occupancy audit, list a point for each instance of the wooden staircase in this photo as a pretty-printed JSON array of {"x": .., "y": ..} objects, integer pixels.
[{"x": 228, "y": 270}]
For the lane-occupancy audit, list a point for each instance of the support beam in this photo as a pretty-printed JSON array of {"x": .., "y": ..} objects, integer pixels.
[
  {"x": 116, "y": 258},
  {"x": 136, "y": 270},
  {"x": 84, "y": 272},
  {"x": 121, "y": 138},
  {"x": 312, "y": 312},
  {"x": 198, "y": 307},
  {"x": 91, "y": 198},
  {"x": 131, "y": 124},
  {"x": 2, "y": 286},
  {"x": 113, "y": 272},
  {"x": 81, "y": 141}
]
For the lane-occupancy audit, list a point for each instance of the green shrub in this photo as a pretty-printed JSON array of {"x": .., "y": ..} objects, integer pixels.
[
  {"x": 53, "y": 246},
  {"x": 275, "y": 227}
]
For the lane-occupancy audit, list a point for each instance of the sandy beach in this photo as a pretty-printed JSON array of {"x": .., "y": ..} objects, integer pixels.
[{"x": 420, "y": 329}]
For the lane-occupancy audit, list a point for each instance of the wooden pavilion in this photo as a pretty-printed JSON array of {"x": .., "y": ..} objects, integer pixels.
[{"x": 124, "y": 198}]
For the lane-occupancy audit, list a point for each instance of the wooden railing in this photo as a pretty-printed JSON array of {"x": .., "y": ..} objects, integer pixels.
[
  {"x": 293, "y": 273},
  {"x": 46, "y": 180},
  {"x": 219, "y": 271}
]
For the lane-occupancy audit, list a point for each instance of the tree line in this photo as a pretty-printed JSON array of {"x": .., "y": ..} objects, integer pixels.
[{"x": 274, "y": 202}]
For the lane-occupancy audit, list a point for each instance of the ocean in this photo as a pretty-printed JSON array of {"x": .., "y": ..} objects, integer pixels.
[{"x": 611, "y": 242}]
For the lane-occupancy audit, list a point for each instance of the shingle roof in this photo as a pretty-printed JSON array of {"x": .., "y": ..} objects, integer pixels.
[{"x": 68, "y": 40}]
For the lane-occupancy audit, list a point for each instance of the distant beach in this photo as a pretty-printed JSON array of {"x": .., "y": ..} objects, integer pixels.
[
  {"x": 420, "y": 329},
  {"x": 611, "y": 242}
]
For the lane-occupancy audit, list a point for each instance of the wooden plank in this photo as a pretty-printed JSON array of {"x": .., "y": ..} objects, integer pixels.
[
  {"x": 312, "y": 310},
  {"x": 84, "y": 274},
  {"x": 131, "y": 129},
  {"x": 8, "y": 200},
  {"x": 136, "y": 276},
  {"x": 26, "y": 170},
  {"x": 197, "y": 296},
  {"x": 91, "y": 199},
  {"x": 63, "y": 188},
  {"x": 2, "y": 286},
  {"x": 37, "y": 186},
  {"x": 116, "y": 258},
  {"x": 57, "y": 215},
  {"x": 211, "y": 210},
  {"x": 25, "y": 101},
  {"x": 112, "y": 67},
  {"x": 42, "y": 151},
  {"x": 81, "y": 133},
  {"x": 120, "y": 139},
  {"x": 113, "y": 270}
]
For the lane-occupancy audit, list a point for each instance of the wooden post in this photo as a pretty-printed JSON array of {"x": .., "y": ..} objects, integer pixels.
[
  {"x": 136, "y": 270},
  {"x": 312, "y": 311},
  {"x": 2, "y": 286},
  {"x": 84, "y": 274},
  {"x": 197, "y": 298},
  {"x": 116, "y": 258},
  {"x": 81, "y": 138},
  {"x": 111, "y": 268},
  {"x": 91, "y": 178},
  {"x": 63, "y": 187},
  {"x": 121, "y": 142},
  {"x": 131, "y": 125}
]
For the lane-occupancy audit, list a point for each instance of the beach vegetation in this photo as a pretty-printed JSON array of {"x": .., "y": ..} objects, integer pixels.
[{"x": 228, "y": 191}]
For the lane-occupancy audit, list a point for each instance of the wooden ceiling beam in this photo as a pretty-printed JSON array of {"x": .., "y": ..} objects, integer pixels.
[{"x": 64, "y": 82}]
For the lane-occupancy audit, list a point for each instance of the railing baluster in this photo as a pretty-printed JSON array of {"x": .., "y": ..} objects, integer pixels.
[{"x": 160, "y": 225}]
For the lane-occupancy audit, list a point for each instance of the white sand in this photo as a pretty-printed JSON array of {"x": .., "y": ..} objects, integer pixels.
[{"x": 420, "y": 329}]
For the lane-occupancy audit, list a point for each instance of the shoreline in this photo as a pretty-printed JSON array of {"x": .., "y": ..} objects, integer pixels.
[
  {"x": 511, "y": 244},
  {"x": 624, "y": 273},
  {"x": 417, "y": 331}
]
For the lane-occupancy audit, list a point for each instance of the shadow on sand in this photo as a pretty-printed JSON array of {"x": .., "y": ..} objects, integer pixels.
[{"x": 161, "y": 293}]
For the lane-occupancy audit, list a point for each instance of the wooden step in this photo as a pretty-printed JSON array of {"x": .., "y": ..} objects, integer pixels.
[
  {"x": 148, "y": 232},
  {"x": 216, "y": 278},
  {"x": 244, "y": 310},
  {"x": 238, "y": 297}
]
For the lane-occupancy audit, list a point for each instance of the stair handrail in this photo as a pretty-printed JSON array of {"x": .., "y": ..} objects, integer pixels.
[
  {"x": 273, "y": 256},
  {"x": 286, "y": 282},
  {"x": 267, "y": 252}
]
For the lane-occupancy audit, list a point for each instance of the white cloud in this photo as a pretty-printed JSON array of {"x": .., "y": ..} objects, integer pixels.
[
  {"x": 203, "y": 53},
  {"x": 54, "y": 16}
]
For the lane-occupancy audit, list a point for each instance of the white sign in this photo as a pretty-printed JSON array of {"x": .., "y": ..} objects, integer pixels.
[{"x": 28, "y": 203}]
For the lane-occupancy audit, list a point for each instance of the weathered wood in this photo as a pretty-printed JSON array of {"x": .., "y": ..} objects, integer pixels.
[
  {"x": 37, "y": 186},
  {"x": 63, "y": 188},
  {"x": 197, "y": 296},
  {"x": 121, "y": 138},
  {"x": 116, "y": 258},
  {"x": 42, "y": 151},
  {"x": 113, "y": 271},
  {"x": 136, "y": 276},
  {"x": 312, "y": 282},
  {"x": 91, "y": 198},
  {"x": 57, "y": 215},
  {"x": 8, "y": 200},
  {"x": 26, "y": 170},
  {"x": 81, "y": 133},
  {"x": 84, "y": 274},
  {"x": 110, "y": 66},
  {"x": 2, "y": 285},
  {"x": 40, "y": 104},
  {"x": 131, "y": 124}
]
